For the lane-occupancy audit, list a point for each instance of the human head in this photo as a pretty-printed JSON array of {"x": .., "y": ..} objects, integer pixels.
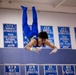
[{"x": 43, "y": 36}]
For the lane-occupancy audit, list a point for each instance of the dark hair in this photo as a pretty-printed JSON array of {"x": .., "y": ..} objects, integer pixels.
[{"x": 43, "y": 35}]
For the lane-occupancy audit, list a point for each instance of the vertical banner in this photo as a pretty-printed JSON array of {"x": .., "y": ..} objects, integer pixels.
[
  {"x": 25, "y": 39},
  {"x": 50, "y": 70},
  {"x": 68, "y": 70},
  {"x": 12, "y": 70},
  {"x": 75, "y": 32},
  {"x": 64, "y": 37},
  {"x": 49, "y": 30},
  {"x": 32, "y": 70},
  {"x": 10, "y": 35}
]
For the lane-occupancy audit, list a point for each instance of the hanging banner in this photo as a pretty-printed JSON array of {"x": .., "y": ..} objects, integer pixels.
[
  {"x": 68, "y": 70},
  {"x": 49, "y": 30},
  {"x": 10, "y": 35},
  {"x": 64, "y": 37},
  {"x": 32, "y": 70},
  {"x": 50, "y": 70},
  {"x": 12, "y": 70},
  {"x": 25, "y": 39},
  {"x": 75, "y": 32}
]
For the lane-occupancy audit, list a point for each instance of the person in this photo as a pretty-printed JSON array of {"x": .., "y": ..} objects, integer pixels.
[
  {"x": 26, "y": 28},
  {"x": 41, "y": 40}
]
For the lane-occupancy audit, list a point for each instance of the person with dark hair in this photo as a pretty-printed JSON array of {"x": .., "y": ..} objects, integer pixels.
[
  {"x": 37, "y": 42},
  {"x": 40, "y": 39}
]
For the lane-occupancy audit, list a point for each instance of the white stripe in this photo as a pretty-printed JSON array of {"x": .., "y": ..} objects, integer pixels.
[{"x": 36, "y": 64}]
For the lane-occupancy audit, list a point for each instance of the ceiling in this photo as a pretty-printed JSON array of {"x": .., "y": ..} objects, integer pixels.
[
  {"x": 51, "y": 2},
  {"x": 44, "y": 5}
]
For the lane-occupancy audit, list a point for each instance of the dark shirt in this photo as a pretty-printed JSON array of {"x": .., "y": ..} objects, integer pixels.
[{"x": 36, "y": 38}]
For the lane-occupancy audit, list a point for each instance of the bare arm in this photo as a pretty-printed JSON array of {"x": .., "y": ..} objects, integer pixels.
[
  {"x": 48, "y": 43},
  {"x": 52, "y": 46},
  {"x": 30, "y": 44}
]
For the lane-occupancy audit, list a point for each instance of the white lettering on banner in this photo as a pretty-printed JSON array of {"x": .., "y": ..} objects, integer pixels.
[{"x": 10, "y": 35}]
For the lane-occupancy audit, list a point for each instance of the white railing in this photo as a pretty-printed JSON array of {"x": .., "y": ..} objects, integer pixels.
[{"x": 37, "y": 64}]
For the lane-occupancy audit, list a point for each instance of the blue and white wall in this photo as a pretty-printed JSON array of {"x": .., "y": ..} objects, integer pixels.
[
  {"x": 44, "y": 18},
  {"x": 19, "y": 57}
]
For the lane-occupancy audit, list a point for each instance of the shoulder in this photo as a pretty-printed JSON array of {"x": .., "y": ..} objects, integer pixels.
[
  {"x": 47, "y": 42},
  {"x": 32, "y": 42},
  {"x": 34, "y": 38}
]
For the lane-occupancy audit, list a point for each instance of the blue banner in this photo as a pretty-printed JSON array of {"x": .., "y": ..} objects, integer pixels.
[
  {"x": 10, "y": 35},
  {"x": 25, "y": 39},
  {"x": 68, "y": 70},
  {"x": 49, "y": 30},
  {"x": 75, "y": 32},
  {"x": 12, "y": 70},
  {"x": 32, "y": 70},
  {"x": 50, "y": 70},
  {"x": 64, "y": 37}
]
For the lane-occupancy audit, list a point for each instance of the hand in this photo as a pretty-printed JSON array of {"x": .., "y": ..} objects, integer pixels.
[
  {"x": 38, "y": 49},
  {"x": 54, "y": 51}
]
